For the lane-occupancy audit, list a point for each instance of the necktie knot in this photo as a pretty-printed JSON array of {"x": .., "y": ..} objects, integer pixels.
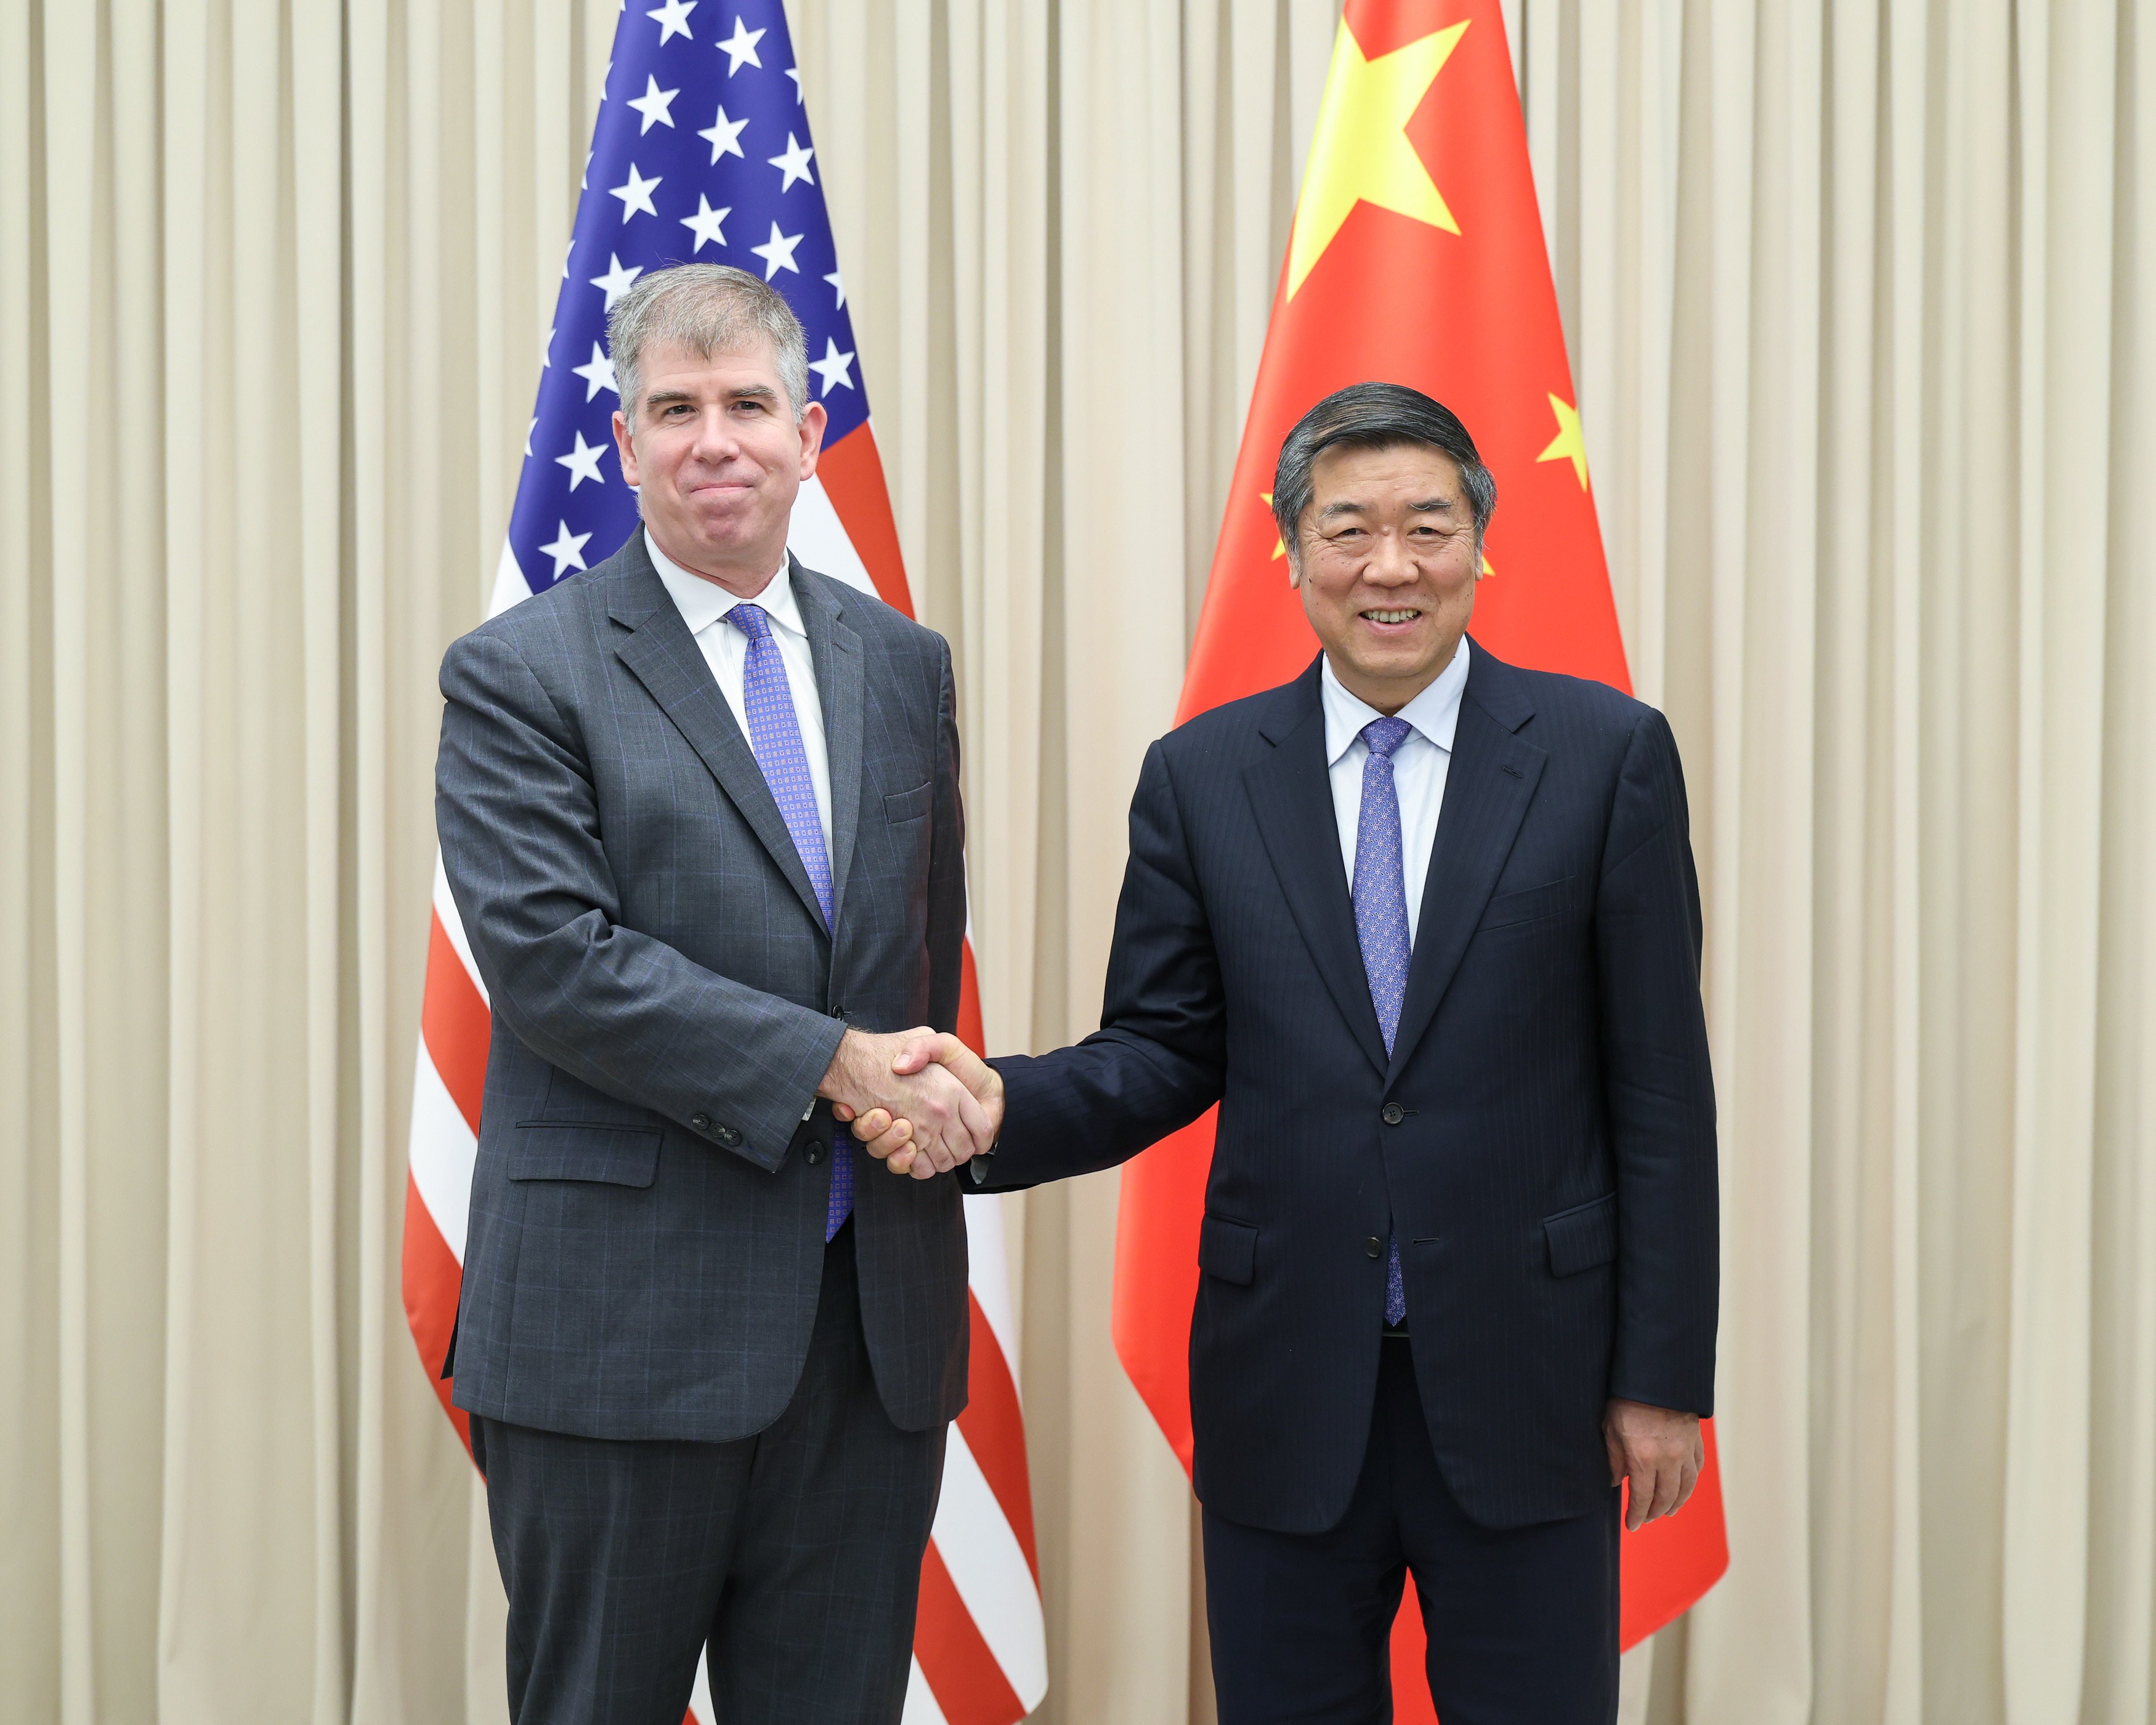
[
  {"x": 750, "y": 621},
  {"x": 1383, "y": 736}
]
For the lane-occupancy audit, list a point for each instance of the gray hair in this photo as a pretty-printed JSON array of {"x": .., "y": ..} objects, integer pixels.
[
  {"x": 1374, "y": 416},
  {"x": 707, "y": 308}
]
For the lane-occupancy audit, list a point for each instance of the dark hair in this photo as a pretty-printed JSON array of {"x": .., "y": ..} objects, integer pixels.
[{"x": 1372, "y": 416}]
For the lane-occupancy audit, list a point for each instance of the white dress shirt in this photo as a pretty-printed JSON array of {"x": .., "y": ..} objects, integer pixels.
[
  {"x": 1419, "y": 765},
  {"x": 703, "y": 605}
]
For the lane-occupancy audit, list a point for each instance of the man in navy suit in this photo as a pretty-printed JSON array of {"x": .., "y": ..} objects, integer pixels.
[{"x": 1425, "y": 925}]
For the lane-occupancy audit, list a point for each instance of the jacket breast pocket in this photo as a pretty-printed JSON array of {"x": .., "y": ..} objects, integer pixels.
[
  {"x": 1228, "y": 1250},
  {"x": 1530, "y": 905},
  {"x": 902, "y": 806},
  {"x": 1582, "y": 1236},
  {"x": 612, "y": 1156}
]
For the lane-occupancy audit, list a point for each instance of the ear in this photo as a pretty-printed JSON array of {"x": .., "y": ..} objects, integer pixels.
[
  {"x": 813, "y": 420},
  {"x": 625, "y": 449}
]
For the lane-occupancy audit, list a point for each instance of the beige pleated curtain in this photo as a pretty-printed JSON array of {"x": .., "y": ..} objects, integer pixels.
[{"x": 1861, "y": 298}]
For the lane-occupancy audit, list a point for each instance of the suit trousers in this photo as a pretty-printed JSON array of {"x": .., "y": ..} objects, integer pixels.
[
  {"x": 794, "y": 1555},
  {"x": 1521, "y": 1621}
]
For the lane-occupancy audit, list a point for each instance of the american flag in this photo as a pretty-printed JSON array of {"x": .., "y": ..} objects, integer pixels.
[{"x": 701, "y": 152}]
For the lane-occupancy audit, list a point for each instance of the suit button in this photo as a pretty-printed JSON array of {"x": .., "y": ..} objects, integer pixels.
[
  {"x": 1374, "y": 1247},
  {"x": 815, "y": 1152},
  {"x": 1392, "y": 1114},
  {"x": 729, "y": 1135},
  {"x": 702, "y": 1122}
]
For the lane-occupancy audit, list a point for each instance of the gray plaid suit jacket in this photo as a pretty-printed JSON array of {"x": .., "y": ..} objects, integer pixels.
[{"x": 646, "y": 1236}]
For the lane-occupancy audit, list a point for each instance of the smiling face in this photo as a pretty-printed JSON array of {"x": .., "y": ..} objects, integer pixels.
[
  {"x": 1386, "y": 560},
  {"x": 719, "y": 458}
]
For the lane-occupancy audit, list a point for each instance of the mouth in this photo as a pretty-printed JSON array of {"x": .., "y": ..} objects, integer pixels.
[{"x": 1391, "y": 617}]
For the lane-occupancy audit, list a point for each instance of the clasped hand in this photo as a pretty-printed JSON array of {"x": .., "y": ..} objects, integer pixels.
[{"x": 922, "y": 1102}]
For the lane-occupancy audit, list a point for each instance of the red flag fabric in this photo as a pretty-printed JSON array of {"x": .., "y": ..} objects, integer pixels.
[{"x": 1416, "y": 257}]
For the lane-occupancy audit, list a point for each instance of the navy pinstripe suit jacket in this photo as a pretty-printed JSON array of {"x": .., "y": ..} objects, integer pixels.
[
  {"x": 1542, "y": 1136},
  {"x": 646, "y": 1235}
]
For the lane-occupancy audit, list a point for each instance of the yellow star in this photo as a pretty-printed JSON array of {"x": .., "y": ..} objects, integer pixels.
[
  {"x": 1568, "y": 444},
  {"x": 1486, "y": 570},
  {"x": 1280, "y": 546},
  {"x": 1361, "y": 153}
]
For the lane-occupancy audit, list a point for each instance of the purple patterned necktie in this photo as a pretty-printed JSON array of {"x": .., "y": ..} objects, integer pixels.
[
  {"x": 1381, "y": 920},
  {"x": 774, "y": 732}
]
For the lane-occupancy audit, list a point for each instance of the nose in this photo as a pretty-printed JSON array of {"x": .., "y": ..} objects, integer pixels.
[
  {"x": 1390, "y": 563},
  {"x": 716, "y": 441}
]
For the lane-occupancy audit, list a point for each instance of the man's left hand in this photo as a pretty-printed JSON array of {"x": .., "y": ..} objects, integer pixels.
[{"x": 1658, "y": 1452}]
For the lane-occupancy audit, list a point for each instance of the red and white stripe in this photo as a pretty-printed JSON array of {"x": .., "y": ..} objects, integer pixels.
[{"x": 980, "y": 1654}]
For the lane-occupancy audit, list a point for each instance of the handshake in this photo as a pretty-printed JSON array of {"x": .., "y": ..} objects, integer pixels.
[{"x": 920, "y": 1101}]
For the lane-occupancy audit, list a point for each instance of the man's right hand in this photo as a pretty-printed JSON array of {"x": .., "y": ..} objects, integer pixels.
[
  {"x": 895, "y": 1138},
  {"x": 877, "y": 1076}
]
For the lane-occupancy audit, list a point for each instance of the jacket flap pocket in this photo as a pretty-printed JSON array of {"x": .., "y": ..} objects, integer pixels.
[
  {"x": 909, "y": 805},
  {"x": 618, "y": 1155},
  {"x": 1228, "y": 1250},
  {"x": 1528, "y": 906},
  {"x": 1582, "y": 1237}
]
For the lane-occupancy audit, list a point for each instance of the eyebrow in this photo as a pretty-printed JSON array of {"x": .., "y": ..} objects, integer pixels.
[
  {"x": 746, "y": 392},
  {"x": 1428, "y": 505}
]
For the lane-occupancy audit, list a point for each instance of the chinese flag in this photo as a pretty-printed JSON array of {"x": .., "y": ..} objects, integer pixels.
[{"x": 1416, "y": 258}]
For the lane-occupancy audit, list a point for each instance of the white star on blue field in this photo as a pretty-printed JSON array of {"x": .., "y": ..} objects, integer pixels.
[{"x": 701, "y": 154}]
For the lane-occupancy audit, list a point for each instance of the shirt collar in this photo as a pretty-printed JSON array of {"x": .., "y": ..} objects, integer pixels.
[
  {"x": 1434, "y": 713},
  {"x": 703, "y": 603}
]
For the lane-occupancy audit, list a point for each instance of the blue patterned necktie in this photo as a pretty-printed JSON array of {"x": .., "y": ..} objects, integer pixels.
[
  {"x": 1381, "y": 920},
  {"x": 774, "y": 732}
]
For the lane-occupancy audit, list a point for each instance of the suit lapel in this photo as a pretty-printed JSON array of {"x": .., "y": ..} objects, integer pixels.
[
  {"x": 1292, "y": 795},
  {"x": 1487, "y": 788},
  {"x": 835, "y": 650},
  {"x": 656, "y": 646}
]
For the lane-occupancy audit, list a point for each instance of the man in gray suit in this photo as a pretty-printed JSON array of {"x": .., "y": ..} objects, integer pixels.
[{"x": 699, "y": 809}]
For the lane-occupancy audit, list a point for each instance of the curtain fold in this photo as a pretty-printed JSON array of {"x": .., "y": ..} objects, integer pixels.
[{"x": 1858, "y": 296}]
